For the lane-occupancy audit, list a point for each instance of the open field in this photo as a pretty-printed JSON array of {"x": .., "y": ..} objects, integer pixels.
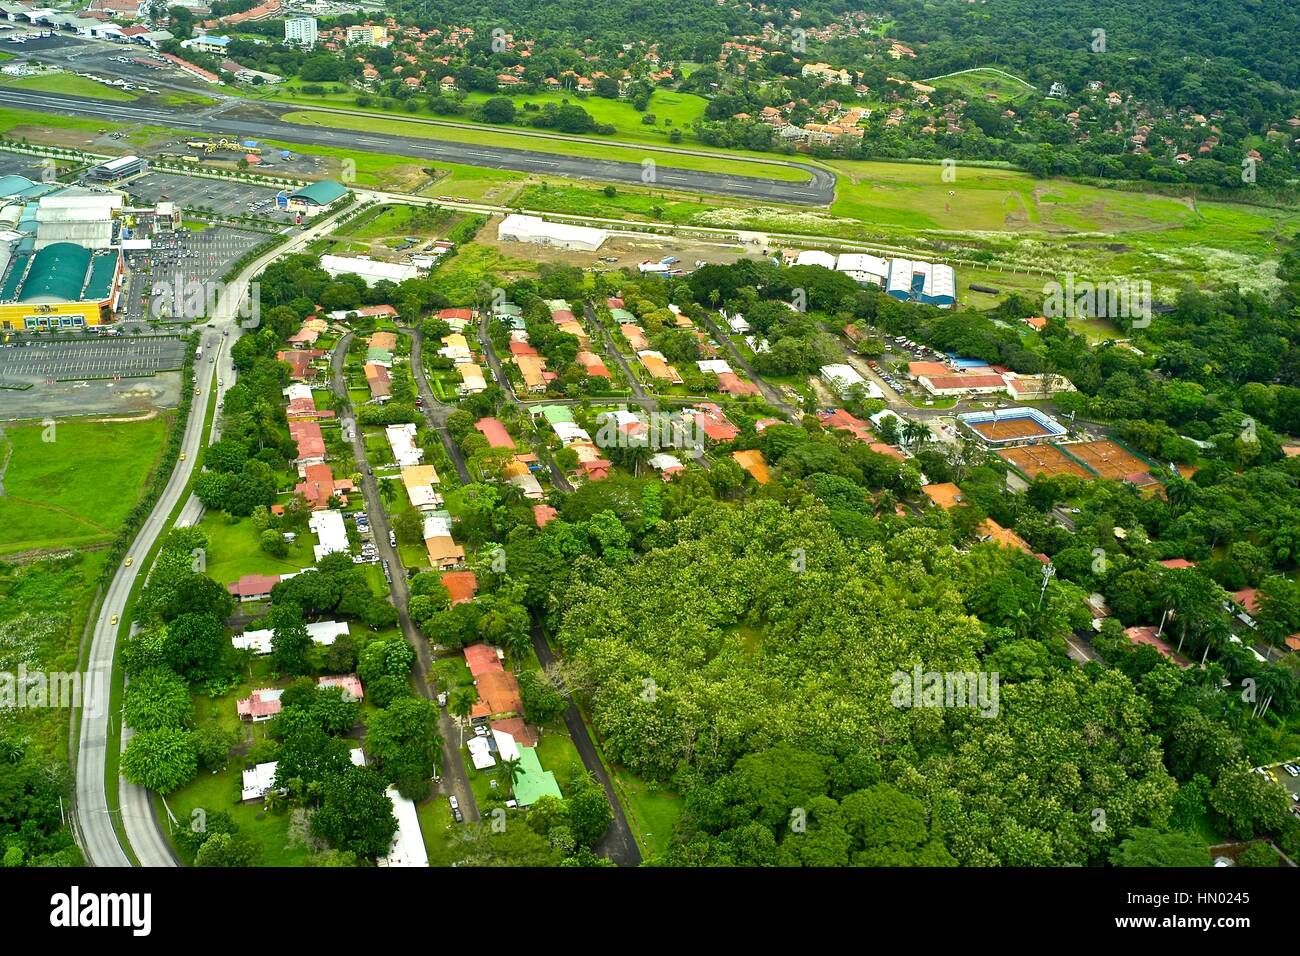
[
  {"x": 76, "y": 490},
  {"x": 671, "y": 110},
  {"x": 68, "y": 83},
  {"x": 978, "y": 83},
  {"x": 235, "y": 550},
  {"x": 1046, "y": 460},
  {"x": 396, "y": 126}
]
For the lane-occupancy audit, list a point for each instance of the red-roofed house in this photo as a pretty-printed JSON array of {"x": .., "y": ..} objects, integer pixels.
[
  {"x": 461, "y": 585},
  {"x": 253, "y": 587},
  {"x": 544, "y": 515},
  {"x": 498, "y": 694},
  {"x": 311, "y": 444},
  {"x": 729, "y": 383},
  {"x": 839, "y": 419},
  {"x": 1178, "y": 563},
  {"x": 963, "y": 384},
  {"x": 319, "y": 485},
  {"x": 480, "y": 658},
  {"x": 1150, "y": 637},
  {"x": 450, "y": 315},
  {"x": 262, "y": 704},
  {"x": 300, "y": 363},
  {"x": 495, "y": 433},
  {"x": 523, "y": 734},
  {"x": 350, "y": 683},
  {"x": 715, "y": 425}
]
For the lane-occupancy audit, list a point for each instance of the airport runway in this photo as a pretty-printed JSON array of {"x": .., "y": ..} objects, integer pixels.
[{"x": 817, "y": 191}]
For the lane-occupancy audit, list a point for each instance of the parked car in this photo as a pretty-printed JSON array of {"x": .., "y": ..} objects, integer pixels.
[{"x": 455, "y": 809}]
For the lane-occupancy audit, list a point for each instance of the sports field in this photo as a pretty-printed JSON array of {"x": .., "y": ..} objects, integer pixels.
[
  {"x": 1108, "y": 459},
  {"x": 1046, "y": 460},
  {"x": 1009, "y": 429}
]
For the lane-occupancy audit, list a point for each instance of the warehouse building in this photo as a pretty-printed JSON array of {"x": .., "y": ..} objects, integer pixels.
[
  {"x": 863, "y": 269},
  {"x": 928, "y": 283},
  {"x": 77, "y": 216},
  {"x": 845, "y": 380},
  {"x": 370, "y": 270},
  {"x": 517, "y": 228},
  {"x": 62, "y": 286}
]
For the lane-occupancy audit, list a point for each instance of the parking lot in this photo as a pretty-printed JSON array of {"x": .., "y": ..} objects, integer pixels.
[
  {"x": 195, "y": 192},
  {"x": 15, "y": 164},
  {"x": 32, "y": 359},
  {"x": 179, "y": 261}
]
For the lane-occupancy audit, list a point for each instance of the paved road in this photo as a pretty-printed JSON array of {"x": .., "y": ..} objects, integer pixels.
[
  {"x": 454, "y": 779},
  {"x": 819, "y": 190},
  {"x": 611, "y": 350},
  {"x": 618, "y": 844},
  {"x": 91, "y": 820},
  {"x": 435, "y": 412}
]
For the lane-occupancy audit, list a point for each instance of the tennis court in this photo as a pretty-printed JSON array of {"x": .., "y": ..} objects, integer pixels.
[
  {"x": 1108, "y": 459},
  {"x": 1046, "y": 460}
]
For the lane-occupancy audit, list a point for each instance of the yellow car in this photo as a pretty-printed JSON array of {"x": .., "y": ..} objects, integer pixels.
[
  {"x": 196, "y": 390},
  {"x": 128, "y": 560},
  {"x": 182, "y": 456},
  {"x": 113, "y": 620}
]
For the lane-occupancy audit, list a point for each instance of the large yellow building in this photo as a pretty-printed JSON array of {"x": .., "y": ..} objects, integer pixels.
[{"x": 63, "y": 286}]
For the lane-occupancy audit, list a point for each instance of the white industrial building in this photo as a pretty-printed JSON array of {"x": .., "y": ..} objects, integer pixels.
[
  {"x": 844, "y": 379},
  {"x": 370, "y": 270},
  {"x": 77, "y": 216},
  {"x": 324, "y": 633},
  {"x": 329, "y": 529},
  {"x": 402, "y": 440},
  {"x": 863, "y": 269},
  {"x": 815, "y": 257},
  {"x": 517, "y": 228}
]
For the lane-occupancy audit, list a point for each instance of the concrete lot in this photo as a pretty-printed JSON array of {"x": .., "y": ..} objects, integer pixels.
[
  {"x": 226, "y": 198},
  {"x": 36, "y": 359},
  {"x": 15, "y": 164}
]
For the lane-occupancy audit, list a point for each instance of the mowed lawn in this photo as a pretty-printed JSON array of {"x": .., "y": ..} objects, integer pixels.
[
  {"x": 235, "y": 549},
  {"x": 75, "y": 491},
  {"x": 916, "y": 196},
  {"x": 69, "y": 84}
]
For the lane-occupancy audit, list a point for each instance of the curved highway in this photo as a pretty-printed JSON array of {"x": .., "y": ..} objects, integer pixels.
[
  {"x": 93, "y": 823},
  {"x": 819, "y": 190}
]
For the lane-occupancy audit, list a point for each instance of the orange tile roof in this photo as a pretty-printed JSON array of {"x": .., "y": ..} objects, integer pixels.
[{"x": 752, "y": 461}]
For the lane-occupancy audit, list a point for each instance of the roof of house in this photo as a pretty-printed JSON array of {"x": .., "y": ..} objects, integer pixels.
[
  {"x": 252, "y": 585},
  {"x": 944, "y": 494},
  {"x": 531, "y": 781},
  {"x": 944, "y": 382},
  {"x": 918, "y": 369},
  {"x": 990, "y": 530},
  {"x": 481, "y": 658},
  {"x": 544, "y": 515},
  {"x": 518, "y": 728},
  {"x": 495, "y": 433},
  {"x": 752, "y": 461},
  {"x": 1149, "y": 636},
  {"x": 1247, "y": 598},
  {"x": 498, "y": 693},
  {"x": 311, "y": 444},
  {"x": 1178, "y": 563},
  {"x": 461, "y": 585}
]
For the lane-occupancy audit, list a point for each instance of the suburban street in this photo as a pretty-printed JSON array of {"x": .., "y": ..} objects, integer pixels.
[{"x": 454, "y": 779}]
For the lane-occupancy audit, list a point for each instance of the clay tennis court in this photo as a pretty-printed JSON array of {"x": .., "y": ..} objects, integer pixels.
[
  {"x": 1009, "y": 429},
  {"x": 1046, "y": 460},
  {"x": 1107, "y": 459}
]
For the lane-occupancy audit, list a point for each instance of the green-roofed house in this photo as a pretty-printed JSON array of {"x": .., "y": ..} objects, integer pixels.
[
  {"x": 377, "y": 356},
  {"x": 319, "y": 194},
  {"x": 531, "y": 781},
  {"x": 622, "y": 316},
  {"x": 554, "y": 413}
]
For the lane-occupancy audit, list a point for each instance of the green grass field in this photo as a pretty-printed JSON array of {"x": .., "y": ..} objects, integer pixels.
[
  {"x": 27, "y": 123},
  {"x": 235, "y": 550},
  {"x": 70, "y": 84},
  {"x": 671, "y": 110},
  {"x": 499, "y": 137},
  {"x": 75, "y": 490},
  {"x": 978, "y": 83}
]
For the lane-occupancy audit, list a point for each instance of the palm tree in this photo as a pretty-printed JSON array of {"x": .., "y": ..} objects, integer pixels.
[
  {"x": 462, "y": 702},
  {"x": 915, "y": 434},
  {"x": 1215, "y": 632},
  {"x": 507, "y": 771}
]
